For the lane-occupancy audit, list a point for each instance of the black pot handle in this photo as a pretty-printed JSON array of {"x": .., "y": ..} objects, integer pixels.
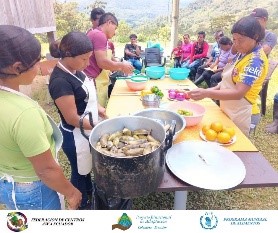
[
  {"x": 81, "y": 123},
  {"x": 169, "y": 136}
]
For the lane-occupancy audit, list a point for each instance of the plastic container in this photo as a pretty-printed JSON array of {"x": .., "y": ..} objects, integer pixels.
[
  {"x": 179, "y": 73},
  {"x": 155, "y": 72},
  {"x": 136, "y": 85},
  {"x": 197, "y": 110}
]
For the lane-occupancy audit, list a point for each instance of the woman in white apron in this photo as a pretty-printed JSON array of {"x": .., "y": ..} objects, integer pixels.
[
  {"x": 29, "y": 175},
  {"x": 242, "y": 80},
  {"x": 74, "y": 94}
]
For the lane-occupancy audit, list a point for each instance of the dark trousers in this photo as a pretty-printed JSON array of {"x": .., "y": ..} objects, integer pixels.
[
  {"x": 177, "y": 62},
  {"x": 82, "y": 182},
  {"x": 215, "y": 79}
]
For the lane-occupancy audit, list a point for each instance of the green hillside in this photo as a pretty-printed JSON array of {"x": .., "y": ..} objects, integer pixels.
[{"x": 212, "y": 14}]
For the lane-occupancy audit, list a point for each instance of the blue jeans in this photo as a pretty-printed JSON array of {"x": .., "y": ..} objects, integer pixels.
[
  {"x": 195, "y": 64},
  {"x": 136, "y": 63},
  {"x": 29, "y": 196},
  {"x": 82, "y": 182}
]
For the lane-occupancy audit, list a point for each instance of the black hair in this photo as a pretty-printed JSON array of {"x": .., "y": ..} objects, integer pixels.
[
  {"x": 106, "y": 17},
  {"x": 18, "y": 45},
  {"x": 219, "y": 33},
  {"x": 186, "y": 35},
  {"x": 132, "y": 36},
  {"x": 249, "y": 26},
  {"x": 72, "y": 44},
  {"x": 95, "y": 12},
  {"x": 224, "y": 40},
  {"x": 202, "y": 33}
]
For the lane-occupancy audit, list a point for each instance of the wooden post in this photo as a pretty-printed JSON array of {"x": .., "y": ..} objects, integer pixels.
[{"x": 175, "y": 21}]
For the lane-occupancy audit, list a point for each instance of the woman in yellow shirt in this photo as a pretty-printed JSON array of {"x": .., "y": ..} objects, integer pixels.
[{"x": 242, "y": 79}]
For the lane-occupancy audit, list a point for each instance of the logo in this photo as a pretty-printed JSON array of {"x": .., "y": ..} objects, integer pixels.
[
  {"x": 17, "y": 221},
  {"x": 208, "y": 221},
  {"x": 124, "y": 223}
]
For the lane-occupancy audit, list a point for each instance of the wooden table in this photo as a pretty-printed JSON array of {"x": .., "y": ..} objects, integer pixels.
[{"x": 259, "y": 172}]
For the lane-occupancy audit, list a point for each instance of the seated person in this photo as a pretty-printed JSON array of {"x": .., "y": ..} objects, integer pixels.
[
  {"x": 212, "y": 74},
  {"x": 199, "y": 51},
  {"x": 132, "y": 52},
  {"x": 214, "y": 54},
  {"x": 177, "y": 53},
  {"x": 186, "y": 48}
]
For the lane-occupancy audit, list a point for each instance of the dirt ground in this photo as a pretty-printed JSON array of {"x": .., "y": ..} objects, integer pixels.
[{"x": 36, "y": 85}]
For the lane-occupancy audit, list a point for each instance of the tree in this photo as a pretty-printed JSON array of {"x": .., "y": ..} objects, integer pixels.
[
  {"x": 68, "y": 18},
  {"x": 223, "y": 22},
  {"x": 123, "y": 32},
  {"x": 100, "y": 4}
]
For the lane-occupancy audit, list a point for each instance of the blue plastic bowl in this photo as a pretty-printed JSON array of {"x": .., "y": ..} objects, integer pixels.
[
  {"x": 155, "y": 72},
  {"x": 179, "y": 73}
]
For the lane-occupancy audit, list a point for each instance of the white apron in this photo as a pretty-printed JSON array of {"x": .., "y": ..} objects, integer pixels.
[
  {"x": 239, "y": 111},
  {"x": 58, "y": 139},
  {"x": 84, "y": 157}
]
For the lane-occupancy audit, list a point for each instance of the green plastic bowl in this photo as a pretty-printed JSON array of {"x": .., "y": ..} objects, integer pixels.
[
  {"x": 179, "y": 73},
  {"x": 155, "y": 72}
]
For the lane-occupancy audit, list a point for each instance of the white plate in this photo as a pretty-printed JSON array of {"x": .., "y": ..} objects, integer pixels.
[
  {"x": 232, "y": 141},
  {"x": 205, "y": 165}
]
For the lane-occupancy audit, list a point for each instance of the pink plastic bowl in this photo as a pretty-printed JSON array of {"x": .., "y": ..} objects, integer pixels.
[
  {"x": 197, "y": 110},
  {"x": 136, "y": 86}
]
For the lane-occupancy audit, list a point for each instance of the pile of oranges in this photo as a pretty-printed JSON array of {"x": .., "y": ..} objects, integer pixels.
[{"x": 217, "y": 132}]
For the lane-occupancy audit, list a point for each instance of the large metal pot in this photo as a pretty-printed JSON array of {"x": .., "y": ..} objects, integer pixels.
[{"x": 128, "y": 177}]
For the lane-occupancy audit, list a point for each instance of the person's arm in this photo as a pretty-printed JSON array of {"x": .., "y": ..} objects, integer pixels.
[
  {"x": 104, "y": 63},
  {"x": 192, "y": 52},
  {"x": 138, "y": 50},
  {"x": 215, "y": 63},
  {"x": 220, "y": 94},
  {"x": 52, "y": 175},
  {"x": 67, "y": 107},
  {"x": 269, "y": 42}
]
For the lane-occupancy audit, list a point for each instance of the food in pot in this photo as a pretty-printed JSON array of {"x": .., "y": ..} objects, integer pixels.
[
  {"x": 127, "y": 143},
  {"x": 185, "y": 112}
]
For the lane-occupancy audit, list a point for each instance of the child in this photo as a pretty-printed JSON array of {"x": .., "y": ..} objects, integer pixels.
[{"x": 177, "y": 52}]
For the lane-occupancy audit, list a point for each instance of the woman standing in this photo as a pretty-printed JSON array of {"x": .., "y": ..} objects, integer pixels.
[
  {"x": 74, "y": 94},
  {"x": 242, "y": 80},
  {"x": 29, "y": 175}
]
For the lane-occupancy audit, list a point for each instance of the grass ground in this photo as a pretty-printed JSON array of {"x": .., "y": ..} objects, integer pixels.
[{"x": 250, "y": 199}]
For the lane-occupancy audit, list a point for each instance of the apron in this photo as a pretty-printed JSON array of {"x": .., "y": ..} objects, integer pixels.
[
  {"x": 102, "y": 83},
  {"x": 84, "y": 157},
  {"x": 58, "y": 139},
  {"x": 239, "y": 111}
]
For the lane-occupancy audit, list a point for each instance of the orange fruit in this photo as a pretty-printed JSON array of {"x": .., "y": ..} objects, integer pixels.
[
  {"x": 223, "y": 137},
  {"x": 216, "y": 126},
  {"x": 230, "y": 130},
  {"x": 211, "y": 135},
  {"x": 205, "y": 128}
]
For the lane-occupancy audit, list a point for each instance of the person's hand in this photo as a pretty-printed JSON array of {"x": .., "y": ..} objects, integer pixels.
[
  {"x": 197, "y": 94},
  {"x": 127, "y": 68},
  {"x": 74, "y": 199},
  {"x": 102, "y": 112}
]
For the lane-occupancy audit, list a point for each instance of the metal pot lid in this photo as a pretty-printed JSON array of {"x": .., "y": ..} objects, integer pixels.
[{"x": 205, "y": 165}]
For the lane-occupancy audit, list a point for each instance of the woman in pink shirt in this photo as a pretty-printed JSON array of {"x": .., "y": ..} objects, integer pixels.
[{"x": 186, "y": 48}]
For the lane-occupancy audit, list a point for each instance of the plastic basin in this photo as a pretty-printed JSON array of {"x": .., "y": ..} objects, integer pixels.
[
  {"x": 197, "y": 110},
  {"x": 179, "y": 73},
  {"x": 155, "y": 72},
  {"x": 135, "y": 85}
]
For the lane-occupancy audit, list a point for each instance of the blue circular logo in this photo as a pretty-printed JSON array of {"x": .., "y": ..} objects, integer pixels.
[{"x": 208, "y": 221}]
